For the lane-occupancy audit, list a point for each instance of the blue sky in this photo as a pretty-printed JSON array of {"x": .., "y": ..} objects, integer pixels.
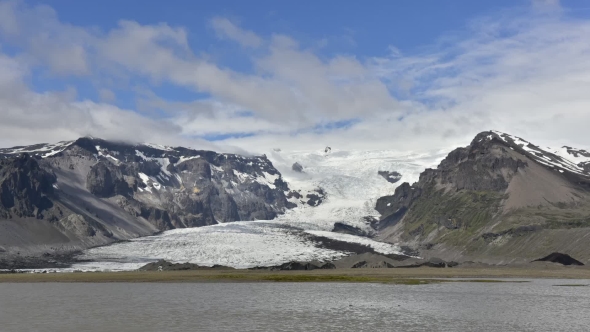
[
  {"x": 258, "y": 73},
  {"x": 355, "y": 28}
]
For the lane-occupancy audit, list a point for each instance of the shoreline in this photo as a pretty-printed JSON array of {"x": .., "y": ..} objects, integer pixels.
[{"x": 392, "y": 275}]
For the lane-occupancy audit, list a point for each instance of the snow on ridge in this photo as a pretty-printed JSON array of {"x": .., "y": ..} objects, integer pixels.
[
  {"x": 46, "y": 150},
  {"x": 565, "y": 158},
  {"x": 158, "y": 147},
  {"x": 163, "y": 162},
  {"x": 184, "y": 158}
]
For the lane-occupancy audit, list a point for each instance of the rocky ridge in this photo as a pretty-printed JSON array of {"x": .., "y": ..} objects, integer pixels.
[
  {"x": 73, "y": 195},
  {"x": 500, "y": 199}
]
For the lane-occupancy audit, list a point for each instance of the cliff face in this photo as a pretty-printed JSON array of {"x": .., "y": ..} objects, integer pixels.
[
  {"x": 499, "y": 199},
  {"x": 24, "y": 188},
  {"x": 91, "y": 192}
]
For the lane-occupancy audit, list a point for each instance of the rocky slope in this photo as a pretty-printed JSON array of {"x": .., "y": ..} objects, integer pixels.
[
  {"x": 72, "y": 195},
  {"x": 500, "y": 199}
]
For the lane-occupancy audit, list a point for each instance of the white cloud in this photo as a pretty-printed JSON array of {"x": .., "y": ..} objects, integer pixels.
[
  {"x": 59, "y": 46},
  {"x": 225, "y": 29},
  {"x": 28, "y": 117},
  {"x": 525, "y": 72}
]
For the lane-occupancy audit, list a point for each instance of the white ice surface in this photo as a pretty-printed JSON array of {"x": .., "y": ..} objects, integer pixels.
[
  {"x": 238, "y": 244},
  {"x": 351, "y": 181}
]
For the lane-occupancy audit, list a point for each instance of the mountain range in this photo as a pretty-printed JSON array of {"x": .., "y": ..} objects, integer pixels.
[{"x": 501, "y": 199}]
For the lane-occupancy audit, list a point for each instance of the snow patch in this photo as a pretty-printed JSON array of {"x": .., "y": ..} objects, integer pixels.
[
  {"x": 183, "y": 159},
  {"x": 267, "y": 179}
]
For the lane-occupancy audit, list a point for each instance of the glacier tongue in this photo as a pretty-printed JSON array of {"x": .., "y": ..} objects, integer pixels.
[{"x": 351, "y": 182}]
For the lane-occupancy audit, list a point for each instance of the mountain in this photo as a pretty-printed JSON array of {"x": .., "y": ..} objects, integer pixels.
[
  {"x": 500, "y": 199},
  {"x": 348, "y": 183},
  {"x": 73, "y": 195}
]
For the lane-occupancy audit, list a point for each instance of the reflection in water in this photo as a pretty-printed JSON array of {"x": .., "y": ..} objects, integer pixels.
[{"x": 535, "y": 306}]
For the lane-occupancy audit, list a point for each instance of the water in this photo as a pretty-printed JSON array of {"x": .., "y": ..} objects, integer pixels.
[{"x": 535, "y": 306}]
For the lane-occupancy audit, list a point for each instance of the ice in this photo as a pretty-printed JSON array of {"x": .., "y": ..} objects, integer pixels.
[
  {"x": 238, "y": 244},
  {"x": 350, "y": 180}
]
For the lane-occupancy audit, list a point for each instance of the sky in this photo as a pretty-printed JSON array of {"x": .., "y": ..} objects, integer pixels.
[{"x": 298, "y": 75}]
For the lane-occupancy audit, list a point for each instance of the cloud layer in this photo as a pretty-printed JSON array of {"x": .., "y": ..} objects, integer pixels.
[{"x": 526, "y": 72}]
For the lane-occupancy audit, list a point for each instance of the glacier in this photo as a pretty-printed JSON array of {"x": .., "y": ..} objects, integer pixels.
[{"x": 352, "y": 185}]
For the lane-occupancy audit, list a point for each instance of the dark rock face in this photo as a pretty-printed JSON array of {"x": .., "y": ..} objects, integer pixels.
[
  {"x": 435, "y": 262},
  {"x": 25, "y": 188},
  {"x": 366, "y": 265},
  {"x": 560, "y": 258},
  {"x": 191, "y": 187},
  {"x": 391, "y": 177},
  {"x": 328, "y": 266},
  {"x": 393, "y": 208},
  {"x": 296, "y": 266},
  {"x": 359, "y": 265},
  {"x": 481, "y": 167},
  {"x": 347, "y": 229},
  {"x": 106, "y": 180},
  {"x": 295, "y": 194},
  {"x": 316, "y": 198},
  {"x": 297, "y": 167},
  {"x": 163, "y": 265}
]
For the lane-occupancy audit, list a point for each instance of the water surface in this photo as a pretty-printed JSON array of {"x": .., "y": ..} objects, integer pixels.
[{"x": 535, "y": 306}]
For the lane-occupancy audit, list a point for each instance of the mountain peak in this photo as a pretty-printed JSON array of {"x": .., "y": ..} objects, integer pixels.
[{"x": 564, "y": 160}]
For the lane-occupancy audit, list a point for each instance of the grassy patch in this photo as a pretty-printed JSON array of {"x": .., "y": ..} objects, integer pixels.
[
  {"x": 347, "y": 278},
  {"x": 459, "y": 215},
  {"x": 416, "y": 276}
]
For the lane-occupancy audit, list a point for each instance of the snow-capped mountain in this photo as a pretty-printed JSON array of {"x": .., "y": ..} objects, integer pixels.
[
  {"x": 500, "y": 199},
  {"x": 91, "y": 191}
]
